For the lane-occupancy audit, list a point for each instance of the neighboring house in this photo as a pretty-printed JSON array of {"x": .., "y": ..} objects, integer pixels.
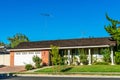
[
  {"x": 4, "y": 56},
  {"x": 24, "y": 52}
]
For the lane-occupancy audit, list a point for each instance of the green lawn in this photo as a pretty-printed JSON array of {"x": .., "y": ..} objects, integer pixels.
[
  {"x": 84, "y": 68},
  {"x": 96, "y": 68}
]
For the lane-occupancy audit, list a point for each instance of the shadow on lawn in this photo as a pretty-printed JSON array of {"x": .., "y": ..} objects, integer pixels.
[{"x": 66, "y": 69}]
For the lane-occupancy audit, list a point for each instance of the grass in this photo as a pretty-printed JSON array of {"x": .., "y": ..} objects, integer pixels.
[
  {"x": 96, "y": 68},
  {"x": 56, "y": 69},
  {"x": 45, "y": 70},
  {"x": 84, "y": 68}
]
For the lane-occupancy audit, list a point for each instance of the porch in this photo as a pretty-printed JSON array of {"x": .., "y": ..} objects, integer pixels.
[{"x": 93, "y": 54}]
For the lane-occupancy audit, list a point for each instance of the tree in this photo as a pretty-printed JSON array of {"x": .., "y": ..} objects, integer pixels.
[
  {"x": 56, "y": 58},
  {"x": 117, "y": 58},
  {"x": 113, "y": 29},
  {"x": 2, "y": 44},
  {"x": 16, "y": 39}
]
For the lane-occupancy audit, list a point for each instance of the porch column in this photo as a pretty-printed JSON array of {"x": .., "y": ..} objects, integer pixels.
[
  {"x": 89, "y": 55},
  {"x": 68, "y": 57},
  {"x": 112, "y": 57}
]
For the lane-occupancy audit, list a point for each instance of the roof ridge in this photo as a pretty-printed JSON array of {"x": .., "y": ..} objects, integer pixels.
[{"x": 68, "y": 39}]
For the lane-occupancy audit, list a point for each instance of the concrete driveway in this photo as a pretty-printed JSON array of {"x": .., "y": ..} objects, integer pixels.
[{"x": 9, "y": 69}]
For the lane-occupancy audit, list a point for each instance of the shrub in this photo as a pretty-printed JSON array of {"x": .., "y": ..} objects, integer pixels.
[
  {"x": 62, "y": 61},
  {"x": 101, "y": 63},
  {"x": 28, "y": 67},
  {"x": 83, "y": 56},
  {"x": 117, "y": 57},
  {"x": 37, "y": 61},
  {"x": 106, "y": 54},
  {"x": 37, "y": 65}
]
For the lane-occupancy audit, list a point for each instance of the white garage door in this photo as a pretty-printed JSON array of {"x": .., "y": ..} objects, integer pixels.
[
  {"x": 5, "y": 59},
  {"x": 23, "y": 58}
]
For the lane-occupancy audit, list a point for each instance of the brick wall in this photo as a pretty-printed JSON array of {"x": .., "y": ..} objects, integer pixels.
[
  {"x": 45, "y": 58},
  {"x": 11, "y": 58}
]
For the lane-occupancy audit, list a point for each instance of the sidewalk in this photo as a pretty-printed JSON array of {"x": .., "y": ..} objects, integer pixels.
[
  {"x": 79, "y": 75},
  {"x": 39, "y": 69}
]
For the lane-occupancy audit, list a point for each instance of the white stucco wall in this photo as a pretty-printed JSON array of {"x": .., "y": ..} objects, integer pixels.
[{"x": 5, "y": 59}]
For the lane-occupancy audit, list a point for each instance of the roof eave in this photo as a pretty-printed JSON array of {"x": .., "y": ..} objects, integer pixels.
[{"x": 29, "y": 49}]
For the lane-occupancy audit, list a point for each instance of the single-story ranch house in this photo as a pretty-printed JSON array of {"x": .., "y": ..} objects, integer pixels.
[{"x": 23, "y": 53}]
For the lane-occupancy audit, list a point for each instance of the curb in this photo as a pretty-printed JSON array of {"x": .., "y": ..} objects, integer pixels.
[{"x": 79, "y": 75}]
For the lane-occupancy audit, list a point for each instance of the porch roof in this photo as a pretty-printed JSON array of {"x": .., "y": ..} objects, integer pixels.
[{"x": 68, "y": 43}]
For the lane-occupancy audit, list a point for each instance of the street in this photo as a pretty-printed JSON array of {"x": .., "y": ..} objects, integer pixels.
[{"x": 59, "y": 78}]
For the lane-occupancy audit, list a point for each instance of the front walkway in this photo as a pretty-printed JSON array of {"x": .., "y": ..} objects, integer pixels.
[
  {"x": 39, "y": 68},
  {"x": 9, "y": 69}
]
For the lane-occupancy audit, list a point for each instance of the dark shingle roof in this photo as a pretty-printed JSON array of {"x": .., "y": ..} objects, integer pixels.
[{"x": 67, "y": 43}]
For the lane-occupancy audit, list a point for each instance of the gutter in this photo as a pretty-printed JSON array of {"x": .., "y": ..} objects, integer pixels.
[{"x": 28, "y": 49}]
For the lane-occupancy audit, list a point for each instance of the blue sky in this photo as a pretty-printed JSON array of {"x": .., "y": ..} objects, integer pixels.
[{"x": 68, "y": 18}]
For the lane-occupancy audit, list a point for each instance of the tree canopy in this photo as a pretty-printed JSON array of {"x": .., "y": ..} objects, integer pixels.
[
  {"x": 17, "y": 38},
  {"x": 2, "y": 43},
  {"x": 113, "y": 29}
]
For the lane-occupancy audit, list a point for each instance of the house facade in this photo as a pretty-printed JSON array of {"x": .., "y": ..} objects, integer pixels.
[{"x": 24, "y": 52}]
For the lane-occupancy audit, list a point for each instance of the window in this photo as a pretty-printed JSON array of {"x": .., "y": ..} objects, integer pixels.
[
  {"x": 24, "y": 53},
  {"x": 17, "y": 53},
  {"x": 37, "y": 52},
  {"x": 31, "y": 52}
]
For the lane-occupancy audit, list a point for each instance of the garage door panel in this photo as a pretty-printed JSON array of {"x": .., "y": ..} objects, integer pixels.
[{"x": 22, "y": 58}]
